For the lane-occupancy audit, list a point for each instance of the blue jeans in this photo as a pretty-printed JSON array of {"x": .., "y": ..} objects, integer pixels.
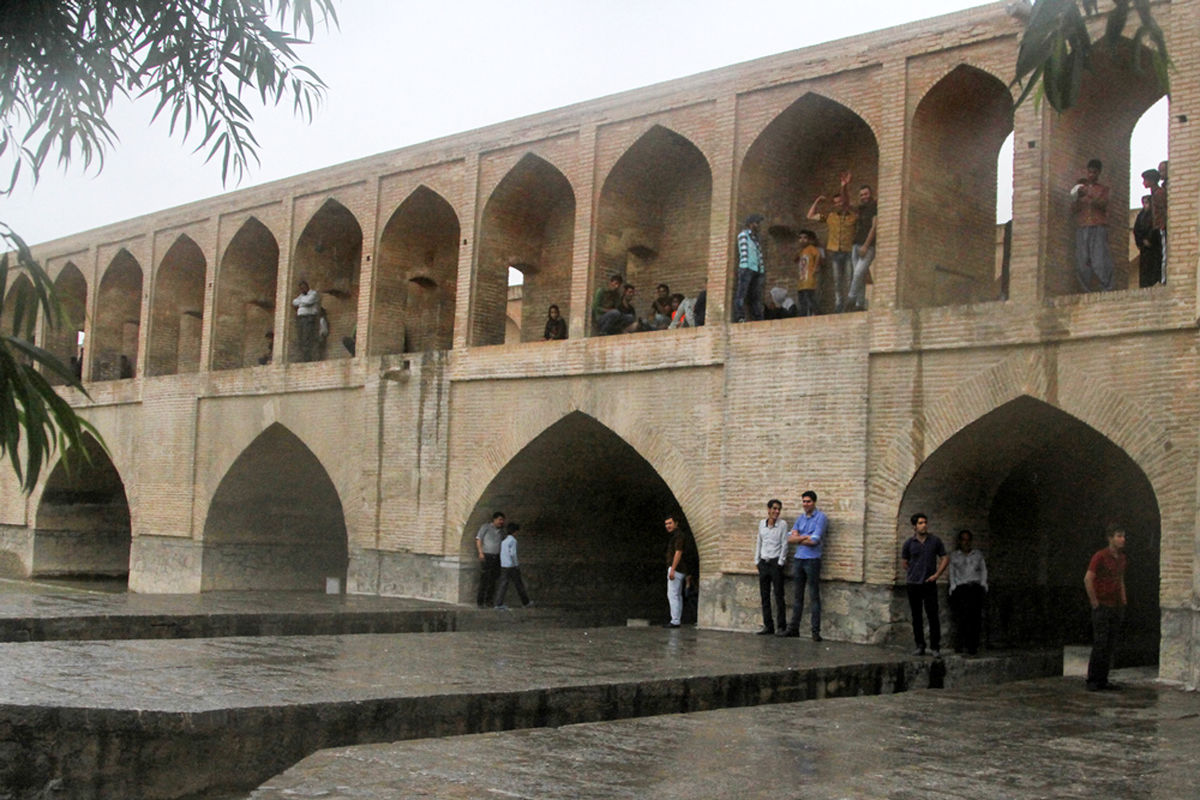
[
  {"x": 839, "y": 260},
  {"x": 862, "y": 258},
  {"x": 749, "y": 287},
  {"x": 807, "y": 571}
]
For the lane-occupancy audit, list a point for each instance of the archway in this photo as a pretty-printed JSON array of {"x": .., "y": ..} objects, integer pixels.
[
  {"x": 1112, "y": 99},
  {"x": 20, "y": 297},
  {"x": 1037, "y": 487},
  {"x": 329, "y": 255},
  {"x": 63, "y": 340},
  {"x": 950, "y": 226},
  {"x": 177, "y": 310},
  {"x": 82, "y": 527},
  {"x": 114, "y": 343},
  {"x": 528, "y": 223},
  {"x": 416, "y": 277},
  {"x": 591, "y": 512},
  {"x": 245, "y": 299},
  {"x": 652, "y": 221},
  {"x": 798, "y": 156},
  {"x": 275, "y": 521}
]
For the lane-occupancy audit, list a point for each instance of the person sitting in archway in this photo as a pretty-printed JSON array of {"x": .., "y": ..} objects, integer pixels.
[
  {"x": 779, "y": 304},
  {"x": 556, "y": 326},
  {"x": 660, "y": 309},
  {"x": 605, "y": 302}
]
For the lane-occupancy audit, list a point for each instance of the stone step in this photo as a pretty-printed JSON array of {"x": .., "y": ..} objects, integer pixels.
[{"x": 172, "y": 719}]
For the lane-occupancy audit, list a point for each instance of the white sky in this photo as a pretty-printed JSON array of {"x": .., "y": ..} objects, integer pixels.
[{"x": 401, "y": 72}]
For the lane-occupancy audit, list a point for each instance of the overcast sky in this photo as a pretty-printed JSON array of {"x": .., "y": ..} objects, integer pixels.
[{"x": 402, "y": 72}]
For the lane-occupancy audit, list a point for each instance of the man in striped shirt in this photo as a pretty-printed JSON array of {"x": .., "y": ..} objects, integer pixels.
[{"x": 751, "y": 271}]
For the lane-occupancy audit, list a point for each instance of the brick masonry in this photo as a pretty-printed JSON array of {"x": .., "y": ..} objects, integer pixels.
[{"x": 954, "y": 393}]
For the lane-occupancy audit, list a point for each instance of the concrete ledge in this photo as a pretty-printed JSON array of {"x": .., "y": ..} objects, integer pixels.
[{"x": 166, "y": 720}]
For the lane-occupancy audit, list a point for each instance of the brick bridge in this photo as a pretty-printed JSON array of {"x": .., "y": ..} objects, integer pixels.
[{"x": 980, "y": 387}]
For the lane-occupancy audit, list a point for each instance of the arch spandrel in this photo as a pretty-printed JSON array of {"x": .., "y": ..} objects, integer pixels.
[{"x": 849, "y": 99}]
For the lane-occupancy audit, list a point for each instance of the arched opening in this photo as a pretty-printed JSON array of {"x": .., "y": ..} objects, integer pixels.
[
  {"x": 244, "y": 332},
  {"x": 529, "y": 223},
  {"x": 950, "y": 226},
  {"x": 65, "y": 340},
  {"x": 20, "y": 295},
  {"x": 275, "y": 522},
  {"x": 177, "y": 310},
  {"x": 514, "y": 307},
  {"x": 1148, "y": 148},
  {"x": 798, "y": 157},
  {"x": 114, "y": 342},
  {"x": 82, "y": 527},
  {"x": 328, "y": 256},
  {"x": 1037, "y": 488},
  {"x": 591, "y": 512},
  {"x": 652, "y": 222},
  {"x": 416, "y": 277},
  {"x": 1112, "y": 99}
]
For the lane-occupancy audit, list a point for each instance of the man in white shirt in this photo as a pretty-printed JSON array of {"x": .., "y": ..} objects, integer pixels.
[
  {"x": 770, "y": 554},
  {"x": 308, "y": 312}
]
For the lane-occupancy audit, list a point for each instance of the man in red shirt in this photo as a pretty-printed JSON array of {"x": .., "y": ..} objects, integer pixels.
[{"x": 1105, "y": 585}]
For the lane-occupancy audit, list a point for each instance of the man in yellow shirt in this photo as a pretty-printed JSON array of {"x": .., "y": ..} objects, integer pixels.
[
  {"x": 808, "y": 262},
  {"x": 839, "y": 239}
]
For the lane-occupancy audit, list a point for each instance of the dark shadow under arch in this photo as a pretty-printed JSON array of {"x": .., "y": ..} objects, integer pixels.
[
  {"x": 245, "y": 299},
  {"x": 114, "y": 340},
  {"x": 1038, "y": 487},
  {"x": 591, "y": 511},
  {"x": 177, "y": 310},
  {"x": 82, "y": 527},
  {"x": 275, "y": 522}
]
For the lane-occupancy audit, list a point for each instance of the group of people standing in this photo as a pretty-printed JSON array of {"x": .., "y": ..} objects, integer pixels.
[
  {"x": 496, "y": 545},
  {"x": 1093, "y": 261},
  {"x": 849, "y": 251},
  {"x": 923, "y": 558}
]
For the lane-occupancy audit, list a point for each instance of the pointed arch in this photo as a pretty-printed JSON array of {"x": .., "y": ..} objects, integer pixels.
[
  {"x": 945, "y": 263},
  {"x": 82, "y": 525},
  {"x": 798, "y": 156},
  {"x": 416, "y": 277},
  {"x": 275, "y": 521},
  {"x": 528, "y": 223},
  {"x": 328, "y": 256},
  {"x": 245, "y": 298},
  {"x": 1037, "y": 488},
  {"x": 652, "y": 220},
  {"x": 591, "y": 507},
  {"x": 114, "y": 344},
  {"x": 177, "y": 310},
  {"x": 63, "y": 340},
  {"x": 20, "y": 287}
]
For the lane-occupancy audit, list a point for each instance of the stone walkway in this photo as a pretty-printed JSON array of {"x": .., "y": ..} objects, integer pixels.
[{"x": 1034, "y": 740}]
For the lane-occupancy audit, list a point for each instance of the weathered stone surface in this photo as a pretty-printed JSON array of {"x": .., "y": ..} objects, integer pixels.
[
  {"x": 1020, "y": 741},
  {"x": 153, "y": 719}
]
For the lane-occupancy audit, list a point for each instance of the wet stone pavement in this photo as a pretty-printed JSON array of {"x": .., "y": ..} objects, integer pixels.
[
  {"x": 170, "y": 719},
  {"x": 1043, "y": 739}
]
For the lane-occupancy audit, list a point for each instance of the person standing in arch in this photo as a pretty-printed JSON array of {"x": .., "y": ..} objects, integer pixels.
[
  {"x": 681, "y": 566},
  {"x": 308, "y": 312},
  {"x": 968, "y": 589},
  {"x": 924, "y": 559},
  {"x": 1090, "y": 203},
  {"x": 1104, "y": 583},
  {"x": 863, "y": 251},
  {"x": 751, "y": 271},
  {"x": 487, "y": 545}
]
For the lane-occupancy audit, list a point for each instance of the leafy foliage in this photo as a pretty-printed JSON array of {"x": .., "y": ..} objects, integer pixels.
[
  {"x": 1056, "y": 47},
  {"x": 64, "y": 62},
  {"x": 28, "y": 403},
  {"x": 62, "y": 65}
]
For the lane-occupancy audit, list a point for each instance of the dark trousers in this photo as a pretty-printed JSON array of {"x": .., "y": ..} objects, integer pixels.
[
  {"x": 770, "y": 582},
  {"x": 1106, "y": 624},
  {"x": 489, "y": 570},
  {"x": 807, "y": 572},
  {"x": 924, "y": 596},
  {"x": 511, "y": 575},
  {"x": 966, "y": 604}
]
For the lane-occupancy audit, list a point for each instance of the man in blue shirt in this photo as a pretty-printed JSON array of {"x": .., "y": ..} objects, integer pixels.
[{"x": 808, "y": 533}]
